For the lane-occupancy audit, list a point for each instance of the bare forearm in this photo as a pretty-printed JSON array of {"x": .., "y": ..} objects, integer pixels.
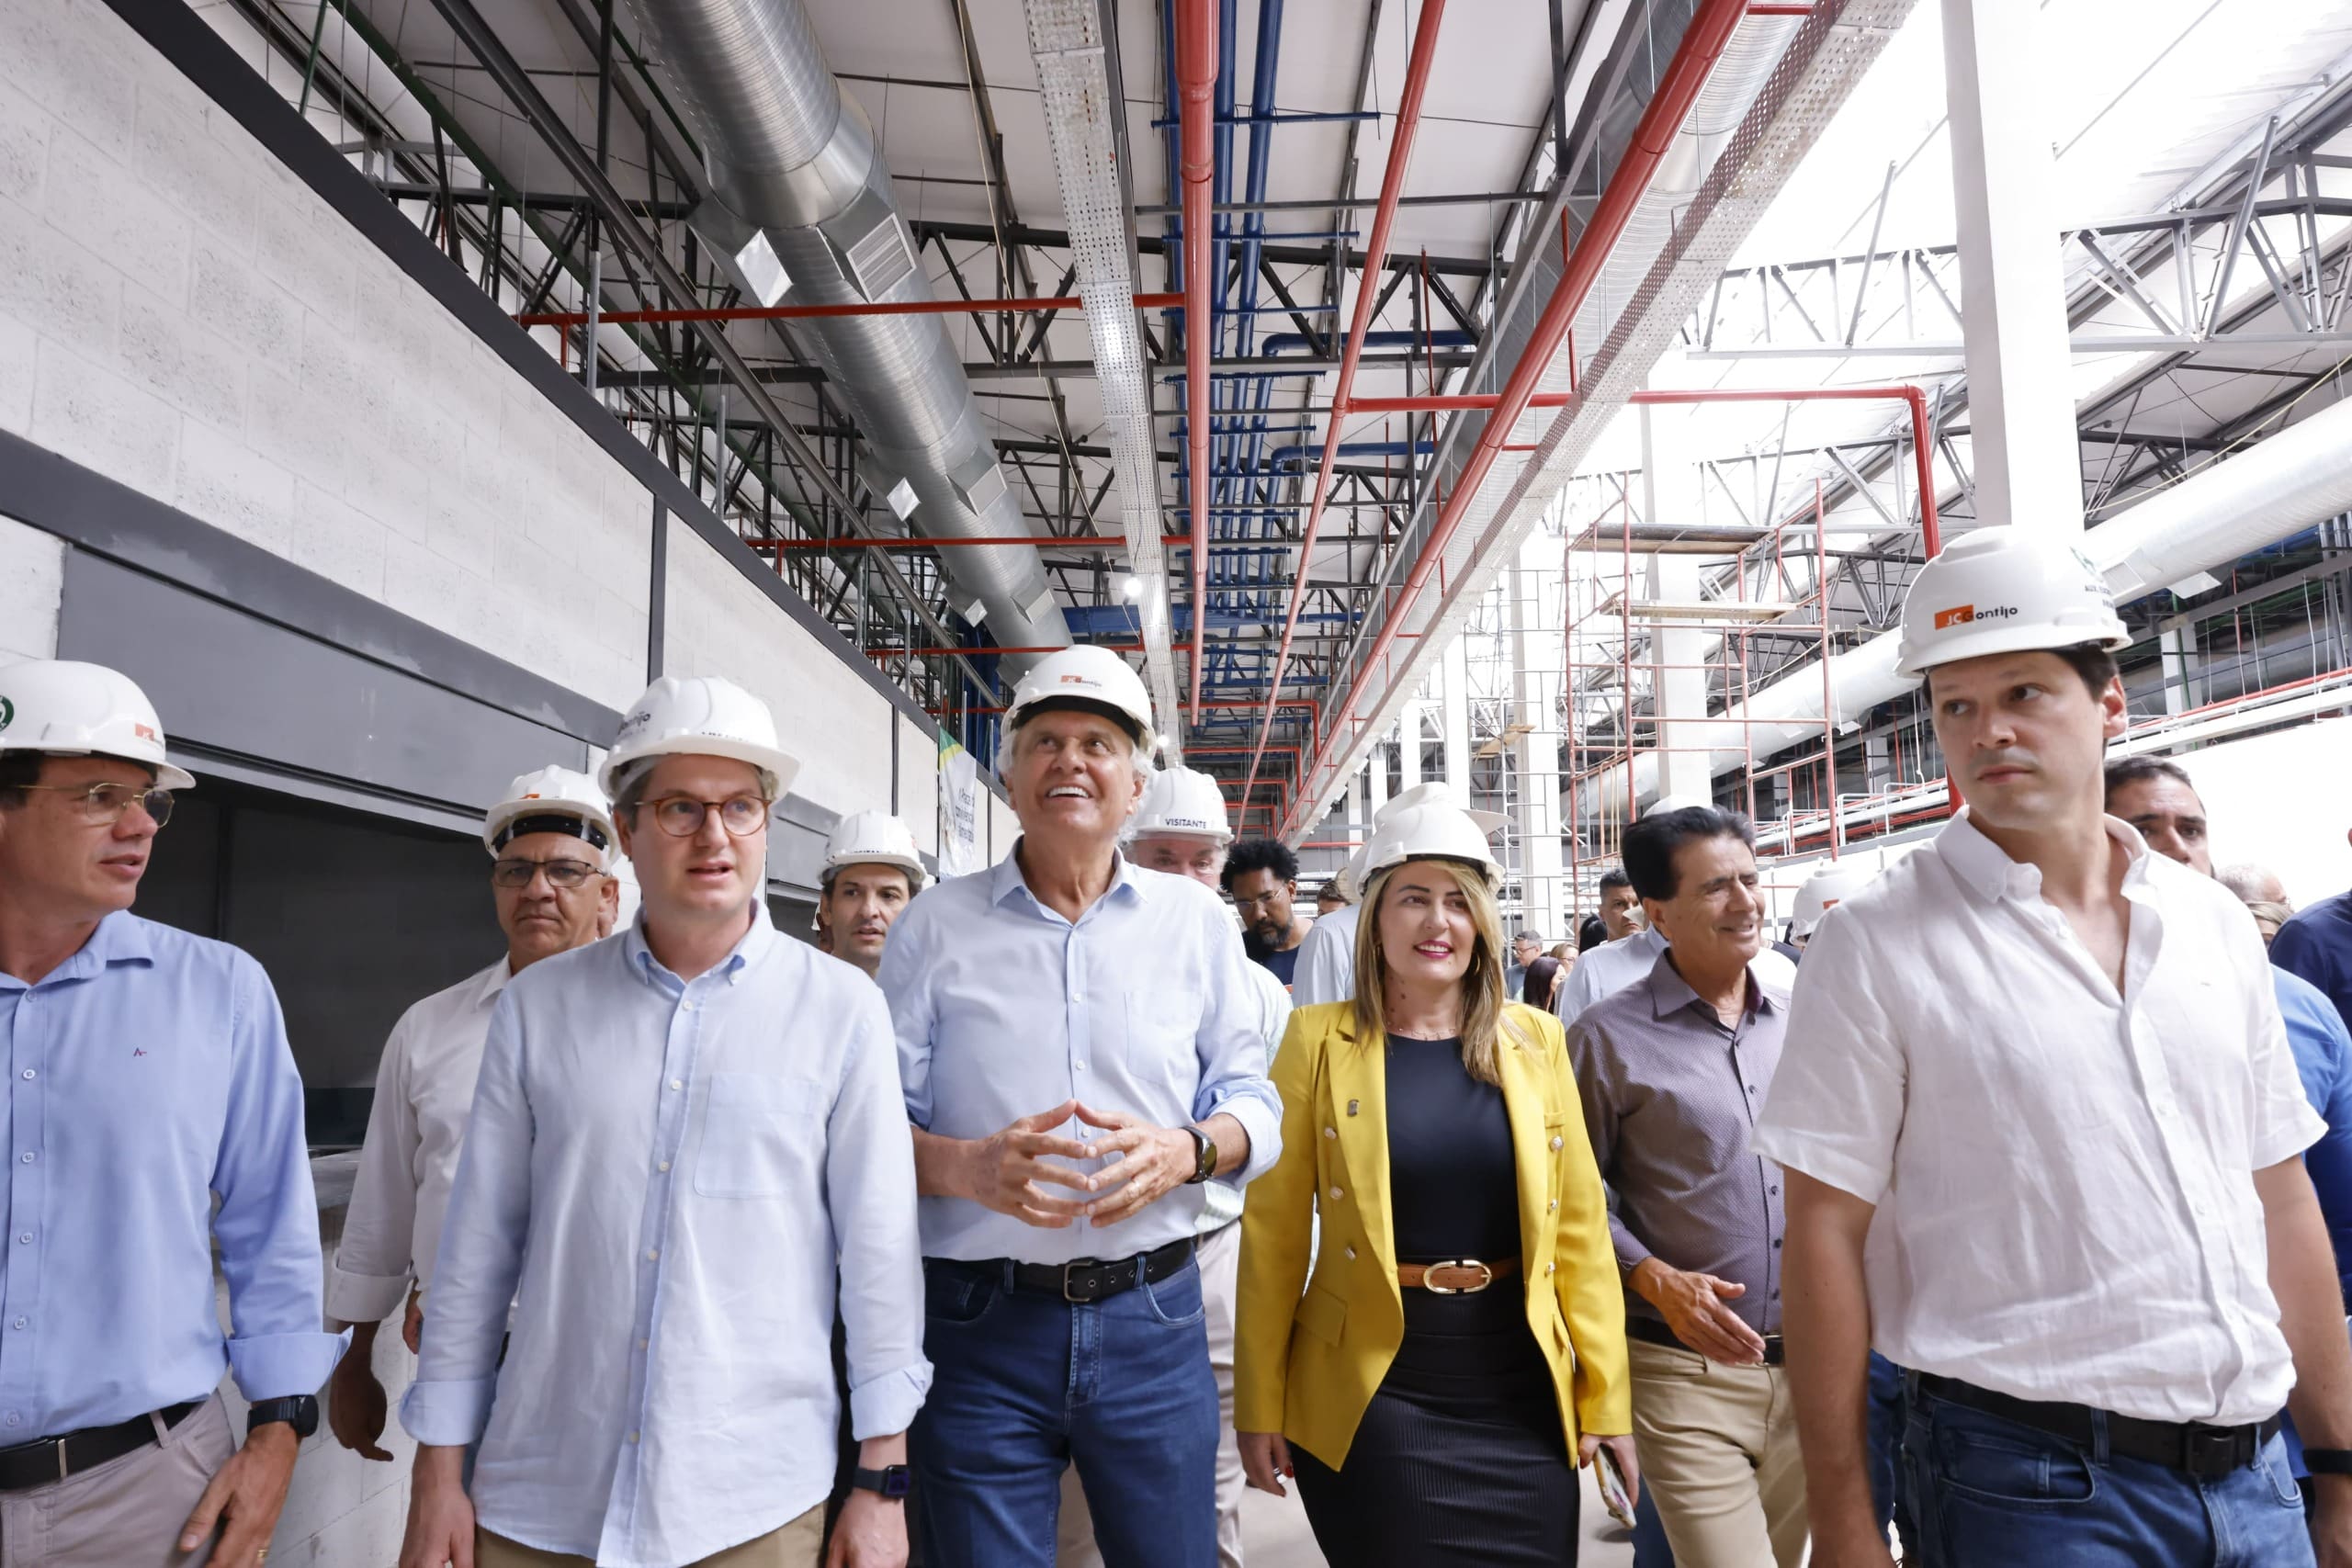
[
  {"x": 2310, "y": 1308},
  {"x": 1827, "y": 1320},
  {"x": 942, "y": 1164},
  {"x": 879, "y": 1453}
]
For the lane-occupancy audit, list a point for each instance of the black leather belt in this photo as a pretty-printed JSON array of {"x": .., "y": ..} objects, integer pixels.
[
  {"x": 2206, "y": 1452},
  {"x": 52, "y": 1459},
  {"x": 1651, "y": 1332},
  {"x": 1088, "y": 1279}
]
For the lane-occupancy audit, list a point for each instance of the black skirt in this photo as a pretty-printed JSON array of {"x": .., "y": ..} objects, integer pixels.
[{"x": 1461, "y": 1458}]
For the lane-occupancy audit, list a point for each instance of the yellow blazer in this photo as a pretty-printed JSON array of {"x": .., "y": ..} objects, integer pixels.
[{"x": 1309, "y": 1353}]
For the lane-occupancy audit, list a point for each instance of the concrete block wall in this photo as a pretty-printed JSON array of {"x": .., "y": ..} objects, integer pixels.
[{"x": 32, "y": 572}]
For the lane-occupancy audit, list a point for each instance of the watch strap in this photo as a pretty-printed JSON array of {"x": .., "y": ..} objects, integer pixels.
[
  {"x": 892, "y": 1481},
  {"x": 2328, "y": 1462},
  {"x": 1204, "y": 1156},
  {"x": 300, "y": 1411}
]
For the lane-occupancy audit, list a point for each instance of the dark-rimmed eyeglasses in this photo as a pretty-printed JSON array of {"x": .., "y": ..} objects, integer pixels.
[
  {"x": 563, "y": 875},
  {"x": 102, "y": 804},
  {"x": 681, "y": 817}
]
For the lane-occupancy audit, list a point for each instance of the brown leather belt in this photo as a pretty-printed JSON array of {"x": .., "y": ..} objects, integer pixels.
[{"x": 1457, "y": 1277}]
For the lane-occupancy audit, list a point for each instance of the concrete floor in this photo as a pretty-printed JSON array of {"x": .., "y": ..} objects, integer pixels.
[{"x": 1274, "y": 1533}]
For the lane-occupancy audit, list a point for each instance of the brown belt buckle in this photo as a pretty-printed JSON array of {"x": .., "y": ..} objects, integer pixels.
[{"x": 1428, "y": 1276}]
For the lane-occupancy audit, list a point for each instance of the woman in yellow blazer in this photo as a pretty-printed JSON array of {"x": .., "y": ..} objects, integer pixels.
[{"x": 1460, "y": 1349}]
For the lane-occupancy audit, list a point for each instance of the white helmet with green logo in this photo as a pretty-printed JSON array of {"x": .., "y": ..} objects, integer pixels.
[{"x": 61, "y": 707}]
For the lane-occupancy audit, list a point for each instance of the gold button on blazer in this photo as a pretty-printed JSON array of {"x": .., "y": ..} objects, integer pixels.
[{"x": 1309, "y": 1353}]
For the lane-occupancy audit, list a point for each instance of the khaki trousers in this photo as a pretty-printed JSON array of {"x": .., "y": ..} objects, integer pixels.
[
  {"x": 800, "y": 1544},
  {"x": 128, "y": 1512},
  {"x": 1219, "y": 1257},
  {"x": 1718, "y": 1446}
]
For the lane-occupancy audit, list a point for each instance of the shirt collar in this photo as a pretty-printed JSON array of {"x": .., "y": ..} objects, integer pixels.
[
  {"x": 493, "y": 980},
  {"x": 1005, "y": 879},
  {"x": 757, "y": 943},
  {"x": 120, "y": 938},
  {"x": 1670, "y": 992},
  {"x": 1987, "y": 870}
]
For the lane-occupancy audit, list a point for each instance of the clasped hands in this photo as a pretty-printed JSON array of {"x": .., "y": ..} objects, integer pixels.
[{"x": 1017, "y": 1172}]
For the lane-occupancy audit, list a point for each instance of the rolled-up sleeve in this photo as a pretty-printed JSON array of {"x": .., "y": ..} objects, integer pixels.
[
  {"x": 1834, "y": 1108},
  {"x": 372, "y": 1266},
  {"x": 267, "y": 1222},
  {"x": 1232, "y": 1050},
  {"x": 906, "y": 980},
  {"x": 870, "y": 1184},
  {"x": 482, "y": 1250}
]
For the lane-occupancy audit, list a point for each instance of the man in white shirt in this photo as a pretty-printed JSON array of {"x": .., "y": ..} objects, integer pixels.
[
  {"x": 2043, "y": 1132},
  {"x": 553, "y": 844},
  {"x": 686, "y": 1144},
  {"x": 1083, "y": 1054},
  {"x": 1180, "y": 829}
]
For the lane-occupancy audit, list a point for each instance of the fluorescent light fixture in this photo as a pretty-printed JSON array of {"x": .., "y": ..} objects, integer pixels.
[
  {"x": 903, "y": 500},
  {"x": 762, "y": 270},
  {"x": 1131, "y": 589}
]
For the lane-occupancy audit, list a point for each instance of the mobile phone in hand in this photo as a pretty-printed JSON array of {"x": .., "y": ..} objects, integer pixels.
[{"x": 1614, "y": 1494}]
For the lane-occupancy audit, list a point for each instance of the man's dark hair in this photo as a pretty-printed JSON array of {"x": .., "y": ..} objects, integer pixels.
[
  {"x": 1592, "y": 933},
  {"x": 2144, "y": 770},
  {"x": 1259, "y": 854},
  {"x": 1651, "y": 844},
  {"x": 19, "y": 770},
  {"x": 1613, "y": 878},
  {"x": 2092, "y": 664}
]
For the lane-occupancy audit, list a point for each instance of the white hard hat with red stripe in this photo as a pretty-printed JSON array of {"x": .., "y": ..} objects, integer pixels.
[
  {"x": 1095, "y": 677},
  {"x": 2005, "y": 589},
  {"x": 699, "y": 715},
  {"x": 61, "y": 707}
]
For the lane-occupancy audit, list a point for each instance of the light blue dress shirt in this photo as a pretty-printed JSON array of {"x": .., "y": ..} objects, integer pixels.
[
  {"x": 660, "y": 1176},
  {"x": 1004, "y": 1009},
  {"x": 148, "y": 1074}
]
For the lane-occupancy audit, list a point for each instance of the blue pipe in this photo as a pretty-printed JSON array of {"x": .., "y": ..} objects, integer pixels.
[
  {"x": 1443, "y": 337},
  {"x": 1295, "y": 117},
  {"x": 1282, "y": 455}
]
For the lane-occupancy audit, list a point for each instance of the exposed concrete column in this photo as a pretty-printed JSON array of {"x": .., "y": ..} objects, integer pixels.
[
  {"x": 2020, "y": 398},
  {"x": 1456, "y": 712},
  {"x": 1535, "y": 699},
  {"x": 1409, "y": 745},
  {"x": 1671, "y": 494},
  {"x": 1376, "y": 782},
  {"x": 2172, "y": 648}
]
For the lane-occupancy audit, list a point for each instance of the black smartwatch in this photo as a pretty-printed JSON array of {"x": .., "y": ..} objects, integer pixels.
[
  {"x": 892, "y": 1481},
  {"x": 300, "y": 1411},
  {"x": 1204, "y": 1156},
  {"x": 2328, "y": 1462}
]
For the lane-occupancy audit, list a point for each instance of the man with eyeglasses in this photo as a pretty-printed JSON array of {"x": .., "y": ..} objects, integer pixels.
[
  {"x": 685, "y": 1143},
  {"x": 148, "y": 1076},
  {"x": 554, "y": 843},
  {"x": 1262, "y": 876}
]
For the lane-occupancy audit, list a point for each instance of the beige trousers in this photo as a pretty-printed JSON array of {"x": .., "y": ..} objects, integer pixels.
[
  {"x": 1718, "y": 1446},
  {"x": 800, "y": 1544},
  {"x": 126, "y": 1512},
  {"x": 1220, "y": 1256}
]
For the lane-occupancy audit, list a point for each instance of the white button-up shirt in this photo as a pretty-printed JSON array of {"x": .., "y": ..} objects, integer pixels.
[
  {"x": 660, "y": 1174},
  {"x": 1004, "y": 1009},
  {"x": 425, "y": 1088},
  {"x": 2064, "y": 1175},
  {"x": 1608, "y": 969},
  {"x": 1221, "y": 1201},
  {"x": 1326, "y": 971}
]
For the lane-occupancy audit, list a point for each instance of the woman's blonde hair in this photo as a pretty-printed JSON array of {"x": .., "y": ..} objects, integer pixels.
[{"x": 1483, "y": 997}]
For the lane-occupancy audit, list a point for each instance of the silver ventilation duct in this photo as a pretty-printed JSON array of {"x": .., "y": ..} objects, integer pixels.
[{"x": 802, "y": 208}]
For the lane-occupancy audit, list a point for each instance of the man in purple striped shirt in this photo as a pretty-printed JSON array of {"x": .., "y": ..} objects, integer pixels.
[{"x": 1672, "y": 1069}]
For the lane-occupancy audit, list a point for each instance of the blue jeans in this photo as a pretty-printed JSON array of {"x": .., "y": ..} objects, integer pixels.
[
  {"x": 1990, "y": 1492},
  {"x": 1023, "y": 1385}
]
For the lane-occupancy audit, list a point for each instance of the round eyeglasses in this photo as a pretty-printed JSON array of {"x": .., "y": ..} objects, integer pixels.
[
  {"x": 681, "y": 817},
  {"x": 103, "y": 805}
]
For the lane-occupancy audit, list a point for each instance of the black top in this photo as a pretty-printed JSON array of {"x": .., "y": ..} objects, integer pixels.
[
  {"x": 1453, "y": 1180},
  {"x": 1283, "y": 961}
]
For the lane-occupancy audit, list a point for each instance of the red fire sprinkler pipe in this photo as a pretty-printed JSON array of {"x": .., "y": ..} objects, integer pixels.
[
  {"x": 1392, "y": 188},
  {"x": 1196, "y": 25},
  {"x": 1695, "y": 57}
]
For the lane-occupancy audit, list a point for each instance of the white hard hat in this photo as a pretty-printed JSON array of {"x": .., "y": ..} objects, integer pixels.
[
  {"x": 1350, "y": 878},
  {"x": 2005, "y": 589},
  {"x": 1831, "y": 881},
  {"x": 1437, "y": 792},
  {"x": 701, "y": 715},
  {"x": 1181, "y": 801},
  {"x": 553, "y": 800},
  {"x": 1433, "y": 831},
  {"x": 64, "y": 709},
  {"x": 872, "y": 837},
  {"x": 1094, "y": 675}
]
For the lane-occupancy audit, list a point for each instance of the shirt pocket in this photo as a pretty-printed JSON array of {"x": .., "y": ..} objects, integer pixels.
[
  {"x": 1161, "y": 1028},
  {"x": 760, "y": 1135}
]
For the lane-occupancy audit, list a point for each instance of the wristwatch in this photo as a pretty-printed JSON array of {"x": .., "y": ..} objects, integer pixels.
[
  {"x": 1204, "y": 1156},
  {"x": 892, "y": 1481},
  {"x": 2328, "y": 1462},
  {"x": 300, "y": 1411}
]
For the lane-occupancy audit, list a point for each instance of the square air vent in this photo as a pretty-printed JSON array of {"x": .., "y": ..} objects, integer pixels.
[
  {"x": 877, "y": 261},
  {"x": 978, "y": 481}
]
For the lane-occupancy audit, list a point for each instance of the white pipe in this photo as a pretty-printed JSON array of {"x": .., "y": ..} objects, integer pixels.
[{"x": 2272, "y": 491}]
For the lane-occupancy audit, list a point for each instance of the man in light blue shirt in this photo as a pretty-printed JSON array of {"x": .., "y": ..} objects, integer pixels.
[
  {"x": 685, "y": 1140},
  {"x": 1081, "y": 1051},
  {"x": 148, "y": 1074}
]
